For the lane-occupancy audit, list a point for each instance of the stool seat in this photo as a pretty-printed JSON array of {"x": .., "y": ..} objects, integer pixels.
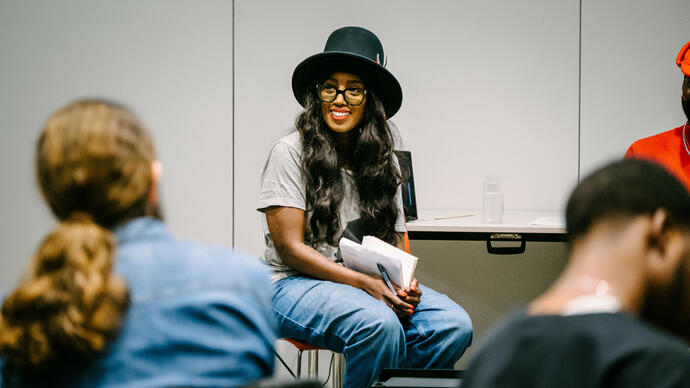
[
  {"x": 313, "y": 361},
  {"x": 302, "y": 345}
]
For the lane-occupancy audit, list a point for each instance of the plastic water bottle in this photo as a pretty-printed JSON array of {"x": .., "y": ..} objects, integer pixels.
[{"x": 492, "y": 200}]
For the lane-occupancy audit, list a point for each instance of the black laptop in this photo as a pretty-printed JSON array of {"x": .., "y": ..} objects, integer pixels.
[{"x": 408, "y": 194}]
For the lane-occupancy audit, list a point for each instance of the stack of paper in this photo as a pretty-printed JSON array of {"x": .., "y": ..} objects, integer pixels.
[{"x": 363, "y": 258}]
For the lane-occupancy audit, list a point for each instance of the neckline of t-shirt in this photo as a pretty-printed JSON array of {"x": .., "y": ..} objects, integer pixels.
[
  {"x": 525, "y": 312},
  {"x": 591, "y": 304}
]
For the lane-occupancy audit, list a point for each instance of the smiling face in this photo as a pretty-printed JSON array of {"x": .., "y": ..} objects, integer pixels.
[{"x": 340, "y": 116}]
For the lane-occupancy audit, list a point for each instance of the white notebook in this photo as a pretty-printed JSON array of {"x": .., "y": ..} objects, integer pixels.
[{"x": 399, "y": 264}]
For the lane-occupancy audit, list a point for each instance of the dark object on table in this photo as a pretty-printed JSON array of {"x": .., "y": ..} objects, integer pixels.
[
  {"x": 427, "y": 378},
  {"x": 408, "y": 193}
]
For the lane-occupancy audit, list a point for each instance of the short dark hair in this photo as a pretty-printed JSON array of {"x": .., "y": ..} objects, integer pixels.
[{"x": 626, "y": 189}]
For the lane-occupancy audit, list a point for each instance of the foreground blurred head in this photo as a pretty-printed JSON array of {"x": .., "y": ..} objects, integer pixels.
[
  {"x": 96, "y": 169},
  {"x": 645, "y": 210}
]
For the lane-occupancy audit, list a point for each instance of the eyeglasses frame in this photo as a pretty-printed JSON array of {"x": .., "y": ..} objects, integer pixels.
[{"x": 338, "y": 91}]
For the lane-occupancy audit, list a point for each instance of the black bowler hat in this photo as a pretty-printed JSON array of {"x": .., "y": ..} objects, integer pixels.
[{"x": 351, "y": 50}]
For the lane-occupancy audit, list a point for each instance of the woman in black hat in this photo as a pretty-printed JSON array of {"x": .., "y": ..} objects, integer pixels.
[{"x": 337, "y": 171}]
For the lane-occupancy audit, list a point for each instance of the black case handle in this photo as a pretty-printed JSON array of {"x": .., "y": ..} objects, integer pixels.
[{"x": 506, "y": 250}]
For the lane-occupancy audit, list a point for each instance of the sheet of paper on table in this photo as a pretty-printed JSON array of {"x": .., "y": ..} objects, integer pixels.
[{"x": 549, "y": 221}]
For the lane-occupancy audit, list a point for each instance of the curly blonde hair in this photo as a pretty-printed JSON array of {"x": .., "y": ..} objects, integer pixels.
[{"x": 93, "y": 161}]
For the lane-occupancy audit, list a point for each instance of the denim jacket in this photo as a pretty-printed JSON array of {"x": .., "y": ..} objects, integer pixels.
[{"x": 199, "y": 316}]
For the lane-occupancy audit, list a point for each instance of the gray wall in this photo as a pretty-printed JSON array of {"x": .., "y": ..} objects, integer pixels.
[
  {"x": 169, "y": 60},
  {"x": 631, "y": 85}
]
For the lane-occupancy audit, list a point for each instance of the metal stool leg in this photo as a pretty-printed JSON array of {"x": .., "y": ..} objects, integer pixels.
[
  {"x": 299, "y": 364},
  {"x": 313, "y": 364},
  {"x": 338, "y": 370}
]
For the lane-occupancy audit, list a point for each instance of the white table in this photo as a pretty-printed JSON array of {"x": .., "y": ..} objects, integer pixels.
[{"x": 453, "y": 224}]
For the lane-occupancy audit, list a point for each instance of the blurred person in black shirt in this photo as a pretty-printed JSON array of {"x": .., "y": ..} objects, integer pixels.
[{"x": 619, "y": 313}]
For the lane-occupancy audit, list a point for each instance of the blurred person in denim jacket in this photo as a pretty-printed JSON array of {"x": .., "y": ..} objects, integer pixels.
[{"x": 111, "y": 298}]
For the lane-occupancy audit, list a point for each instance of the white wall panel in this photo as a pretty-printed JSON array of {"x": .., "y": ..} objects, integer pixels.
[
  {"x": 631, "y": 85},
  {"x": 171, "y": 61}
]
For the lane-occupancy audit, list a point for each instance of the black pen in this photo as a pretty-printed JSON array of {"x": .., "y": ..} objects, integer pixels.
[{"x": 384, "y": 275}]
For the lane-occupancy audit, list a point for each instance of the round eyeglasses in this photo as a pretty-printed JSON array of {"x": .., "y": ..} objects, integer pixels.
[{"x": 353, "y": 96}]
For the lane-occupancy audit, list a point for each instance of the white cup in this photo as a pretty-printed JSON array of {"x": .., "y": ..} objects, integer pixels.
[{"x": 492, "y": 200}]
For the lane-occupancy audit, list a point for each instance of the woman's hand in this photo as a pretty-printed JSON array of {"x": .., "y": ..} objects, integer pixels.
[
  {"x": 412, "y": 295},
  {"x": 377, "y": 288}
]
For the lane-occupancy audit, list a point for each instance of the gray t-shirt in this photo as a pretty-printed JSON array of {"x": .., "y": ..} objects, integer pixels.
[{"x": 282, "y": 184}]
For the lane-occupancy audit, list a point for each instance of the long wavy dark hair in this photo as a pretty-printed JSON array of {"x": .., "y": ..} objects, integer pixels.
[{"x": 375, "y": 172}]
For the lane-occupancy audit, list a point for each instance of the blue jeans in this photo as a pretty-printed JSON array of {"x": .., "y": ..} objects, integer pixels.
[{"x": 368, "y": 333}]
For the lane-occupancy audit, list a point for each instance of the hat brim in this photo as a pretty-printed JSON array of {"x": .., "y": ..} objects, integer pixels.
[
  {"x": 682, "y": 60},
  {"x": 685, "y": 68},
  {"x": 319, "y": 66}
]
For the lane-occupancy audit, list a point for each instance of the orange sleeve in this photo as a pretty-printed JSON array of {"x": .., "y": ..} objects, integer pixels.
[{"x": 407, "y": 243}]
